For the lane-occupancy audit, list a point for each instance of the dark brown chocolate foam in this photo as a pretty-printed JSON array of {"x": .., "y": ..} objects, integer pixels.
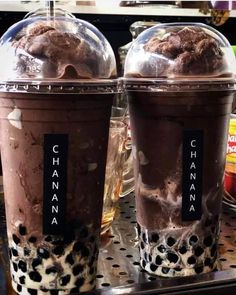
[
  {"x": 62, "y": 54},
  {"x": 187, "y": 51}
]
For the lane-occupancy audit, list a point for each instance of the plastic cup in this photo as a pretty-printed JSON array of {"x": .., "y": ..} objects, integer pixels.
[{"x": 179, "y": 112}]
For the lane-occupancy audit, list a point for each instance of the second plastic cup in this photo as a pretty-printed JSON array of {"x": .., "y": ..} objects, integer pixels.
[{"x": 179, "y": 124}]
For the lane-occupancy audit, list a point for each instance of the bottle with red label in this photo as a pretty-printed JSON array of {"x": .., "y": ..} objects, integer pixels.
[{"x": 230, "y": 168}]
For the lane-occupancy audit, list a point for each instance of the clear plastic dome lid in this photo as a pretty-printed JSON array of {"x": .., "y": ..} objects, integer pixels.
[
  {"x": 59, "y": 47},
  {"x": 179, "y": 51}
]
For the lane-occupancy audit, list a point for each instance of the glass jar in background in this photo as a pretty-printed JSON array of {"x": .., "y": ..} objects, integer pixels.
[
  {"x": 114, "y": 169},
  {"x": 128, "y": 174}
]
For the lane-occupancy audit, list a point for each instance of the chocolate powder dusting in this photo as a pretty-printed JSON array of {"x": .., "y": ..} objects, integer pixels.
[
  {"x": 190, "y": 51},
  {"x": 56, "y": 54}
]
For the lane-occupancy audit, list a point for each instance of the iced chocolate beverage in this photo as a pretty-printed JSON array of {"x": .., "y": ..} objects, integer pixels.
[
  {"x": 179, "y": 82},
  {"x": 55, "y": 104}
]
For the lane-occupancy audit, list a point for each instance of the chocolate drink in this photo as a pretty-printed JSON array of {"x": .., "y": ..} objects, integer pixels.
[
  {"x": 179, "y": 166},
  {"x": 54, "y": 135}
]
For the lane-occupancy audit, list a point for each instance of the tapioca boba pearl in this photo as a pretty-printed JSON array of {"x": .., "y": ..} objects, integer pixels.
[
  {"x": 43, "y": 253},
  {"x": 198, "y": 251},
  {"x": 79, "y": 282},
  {"x": 32, "y": 291},
  {"x": 14, "y": 252},
  {"x": 208, "y": 241},
  {"x": 154, "y": 238},
  {"x": 159, "y": 260},
  {"x": 15, "y": 267},
  {"x": 15, "y": 239},
  {"x": 22, "y": 266},
  {"x": 48, "y": 239},
  {"x": 77, "y": 269},
  {"x": 26, "y": 252},
  {"x": 69, "y": 259},
  {"x": 153, "y": 267},
  {"x": 183, "y": 250},
  {"x": 172, "y": 257},
  {"x": 65, "y": 280},
  {"x": 143, "y": 263},
  {"x": 22, "y": 280},
  {"x": 35, "y": 276},
  {"x": 85, "y": 252},
  {"x": 19, "y": 288},
  {"x": 32, "y": 239},
  {"x": 198, "y": 269},
  {"x": 142, "y": 245},
  {"x": 165, "y": 270},
  {"x": 36, "y": 262},
  {"x": 193, "y": 240},
  {"x": 50, "y": 270},
  {"x": 54, "y": 292},
  {"x": 22, "y": 230},
  {"x": 191, "y": 260},
  {"x": 207, "y": 261},
  {"x": 161, "y": 248},
  {"x": 58, "y": 250},
  {"x": 171, "y": 241},
  {"x": 177, "y": 268}
]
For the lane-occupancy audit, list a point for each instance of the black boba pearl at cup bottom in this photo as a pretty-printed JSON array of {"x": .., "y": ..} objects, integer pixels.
[
  {"x": 22, "y": 230},
  {"x": 77, "y": 269},
  {"x": 54, "y": 292},
  {"x": 32, "y": 239},
  {"x": 36, "y": 262},
  {"x": 191, "y": 260},
  {"x": 183, "y": 250},
  {"x": 48, "y": 239},
  {"x": 193, "y": 240},
  {"x": 199, "y": 269},
  {"x": 15, "y": 267},
  {"x": 26, "y": 252},
  {"x": 43, "y": 253},
  {"x": 65, "y": 280},
  {"x": 69, "y": 259},
  {"x": 32, "y": 291},
  {"x": 22, "y": 266},
  {"x": 35, "y": 276},
  {"x": 15, "y": 239},
  {"x": 153, "y": 267},
  {"x": 14, "y": 252},
  {"x": 79, "y": 282},
  {"x": 58, "y": 250},
  {"x": 198, "y": 251},
  {"x": 171, "y": 241},
  {"x": 22, "y": 280},
  {"x": 161, "y": 248},
  {"x": 154, "y": 238},
  {"x": 172, "y": 257},
  {"x": 207, "y": 261},
  {"x": 19, "y": 288},
  {"x": 159, "y": 260},
  {"x": 51, "y": 269},
  {"x": 165, "y": 270}
]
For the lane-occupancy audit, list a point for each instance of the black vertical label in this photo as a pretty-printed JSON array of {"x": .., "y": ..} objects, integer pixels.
[
  {"x": 55, "y": 183},
  {"x": 192, "y": 175}
]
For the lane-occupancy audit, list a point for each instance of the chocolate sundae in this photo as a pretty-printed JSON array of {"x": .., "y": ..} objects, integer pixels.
[
  {"x": 55, "y": 114},
  {"x": 179, "y": 83}
]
